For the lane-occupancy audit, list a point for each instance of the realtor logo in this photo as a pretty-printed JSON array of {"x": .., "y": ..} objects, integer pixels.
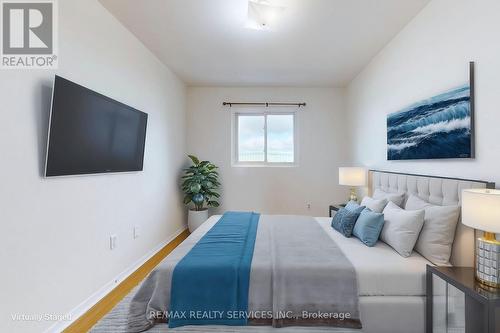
[{"x": 28, "y": 34}]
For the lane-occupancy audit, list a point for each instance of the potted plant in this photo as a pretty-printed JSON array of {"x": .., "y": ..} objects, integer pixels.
[{"x": 199, "y": 184}]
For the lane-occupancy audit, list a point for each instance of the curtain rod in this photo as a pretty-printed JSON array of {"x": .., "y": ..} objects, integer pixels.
[{"x": 266, "y": 104}]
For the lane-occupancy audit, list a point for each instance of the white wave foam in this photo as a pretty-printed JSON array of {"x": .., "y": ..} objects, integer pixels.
[
  {"x": 457, "y": 111},
  {"x": 444, "y": 126},
  {"x": 401, "y": 146}
]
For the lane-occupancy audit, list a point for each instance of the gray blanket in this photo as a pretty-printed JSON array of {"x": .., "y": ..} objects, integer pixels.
[{"x": 299, "y": 276}]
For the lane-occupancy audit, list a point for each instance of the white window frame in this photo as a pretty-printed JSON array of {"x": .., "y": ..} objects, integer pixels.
[{"x": 258, "y": 112}]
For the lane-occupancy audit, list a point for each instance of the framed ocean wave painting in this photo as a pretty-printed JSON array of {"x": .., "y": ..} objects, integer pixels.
[{"x": 441, "y": 126}]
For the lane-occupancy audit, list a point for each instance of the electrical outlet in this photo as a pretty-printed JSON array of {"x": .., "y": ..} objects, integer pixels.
[
  {"x": 137, "y": 231},
  {"x": 113, "y": 239}
]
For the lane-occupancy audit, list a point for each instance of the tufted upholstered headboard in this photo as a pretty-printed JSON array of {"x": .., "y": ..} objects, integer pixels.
[{"x": 440, "y": 191}]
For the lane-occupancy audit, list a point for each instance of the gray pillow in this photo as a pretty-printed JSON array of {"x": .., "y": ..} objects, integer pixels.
[
  {"x": 397, "y": 198},
  {"x": 401, "y": 228},
  {"x": 436, "y": 238},
  {"x": 375, "y": 205}
]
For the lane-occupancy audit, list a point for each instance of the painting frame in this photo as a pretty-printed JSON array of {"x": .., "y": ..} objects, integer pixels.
[{"x": 447, "y": 126}]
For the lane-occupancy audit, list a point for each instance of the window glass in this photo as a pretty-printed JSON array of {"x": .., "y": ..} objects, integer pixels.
[
  {"x": 251, "y": 140},
  {"x": 280, "y": 133}
]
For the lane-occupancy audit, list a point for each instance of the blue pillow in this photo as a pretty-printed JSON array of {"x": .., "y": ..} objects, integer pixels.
[
  {"x": 352, "y": 205},
  {"x": 345, "y": 220},
  {"x": 368, "y": 227}
]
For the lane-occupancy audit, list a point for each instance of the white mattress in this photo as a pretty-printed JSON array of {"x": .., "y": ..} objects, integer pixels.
[{"x": 381, "y": 270}]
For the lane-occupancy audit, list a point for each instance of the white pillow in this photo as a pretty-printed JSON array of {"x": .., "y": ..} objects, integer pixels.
[
  {"x": 436, "y": 238},
  {"x": 376, "y": 206},
  {"x": 401, "y": 228},
  {"x": 397, "y": 198}
]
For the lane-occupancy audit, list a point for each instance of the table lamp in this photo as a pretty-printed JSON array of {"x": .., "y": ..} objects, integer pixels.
[
  {"x": 481, "y": 210},
  {"x": 352, "y": 176}
]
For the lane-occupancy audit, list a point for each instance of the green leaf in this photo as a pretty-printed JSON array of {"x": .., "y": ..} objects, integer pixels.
[
  {"x": 195, "y": 188},
  {"x": 198, "y": 199},
  {"x": 195, "y": 159}
]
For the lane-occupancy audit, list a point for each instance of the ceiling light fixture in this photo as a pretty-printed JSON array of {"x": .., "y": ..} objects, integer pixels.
[{"x": 262, "y": 15}]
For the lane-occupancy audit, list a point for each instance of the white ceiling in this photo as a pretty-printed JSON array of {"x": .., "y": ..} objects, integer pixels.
[{"x": 315, "y": 43}]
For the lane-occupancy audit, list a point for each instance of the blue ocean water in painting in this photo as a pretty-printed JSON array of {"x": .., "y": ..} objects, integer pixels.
[{"x": 438, "y": 127}]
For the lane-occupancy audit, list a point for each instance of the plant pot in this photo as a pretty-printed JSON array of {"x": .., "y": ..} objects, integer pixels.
[{"x": 196, "y": 218}]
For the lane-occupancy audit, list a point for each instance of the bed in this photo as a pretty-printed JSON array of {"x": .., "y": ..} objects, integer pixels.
[{"x": 391, "y": 289}]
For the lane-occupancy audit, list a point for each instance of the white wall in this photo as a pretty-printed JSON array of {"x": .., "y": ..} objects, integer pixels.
[
  {"x": 54, "y": 241},
  {"x": 285, "y": 190},
  {"x": 430, "y": 55}
]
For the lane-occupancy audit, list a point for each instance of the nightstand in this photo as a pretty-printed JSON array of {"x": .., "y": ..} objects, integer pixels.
[
  {"x": 334, "y": 209},
  {"x": 456, "y": 302}
]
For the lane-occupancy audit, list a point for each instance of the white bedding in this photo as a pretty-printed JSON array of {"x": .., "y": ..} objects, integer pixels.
[{"x": 381, "y": 270}]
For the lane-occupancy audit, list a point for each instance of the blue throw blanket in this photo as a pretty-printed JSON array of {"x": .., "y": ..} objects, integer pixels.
[{"x": 210, "y": 284}]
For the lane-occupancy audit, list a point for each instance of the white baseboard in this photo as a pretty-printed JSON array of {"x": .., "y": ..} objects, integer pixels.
[{"x": 83, "y": 307}]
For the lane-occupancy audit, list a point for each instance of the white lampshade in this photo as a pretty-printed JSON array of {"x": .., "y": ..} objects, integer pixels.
[
  {"x": 352, "y": 176},
  {"x": 481, "y": 209}
]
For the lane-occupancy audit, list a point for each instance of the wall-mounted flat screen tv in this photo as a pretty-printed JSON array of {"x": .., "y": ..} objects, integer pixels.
[{"x": 90, "y": 133}]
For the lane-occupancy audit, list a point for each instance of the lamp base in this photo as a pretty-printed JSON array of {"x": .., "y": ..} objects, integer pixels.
[
  {"x": 353, "y": 196},
  {"x": 488, "y": 260}
]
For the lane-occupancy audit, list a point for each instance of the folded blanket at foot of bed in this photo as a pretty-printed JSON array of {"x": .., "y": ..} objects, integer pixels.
[
  {"x": 210, "y": 284},
  {"x": 298, "y": 276}
]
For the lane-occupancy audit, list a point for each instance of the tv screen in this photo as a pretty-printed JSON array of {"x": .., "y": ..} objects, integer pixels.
[{"x": 91, "y": 133}]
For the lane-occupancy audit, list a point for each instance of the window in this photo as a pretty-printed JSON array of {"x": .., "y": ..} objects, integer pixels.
[{"x": 264, "y": 139}]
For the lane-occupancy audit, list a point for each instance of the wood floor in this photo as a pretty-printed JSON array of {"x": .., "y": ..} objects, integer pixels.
[{"x": 94, "y": 314}]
